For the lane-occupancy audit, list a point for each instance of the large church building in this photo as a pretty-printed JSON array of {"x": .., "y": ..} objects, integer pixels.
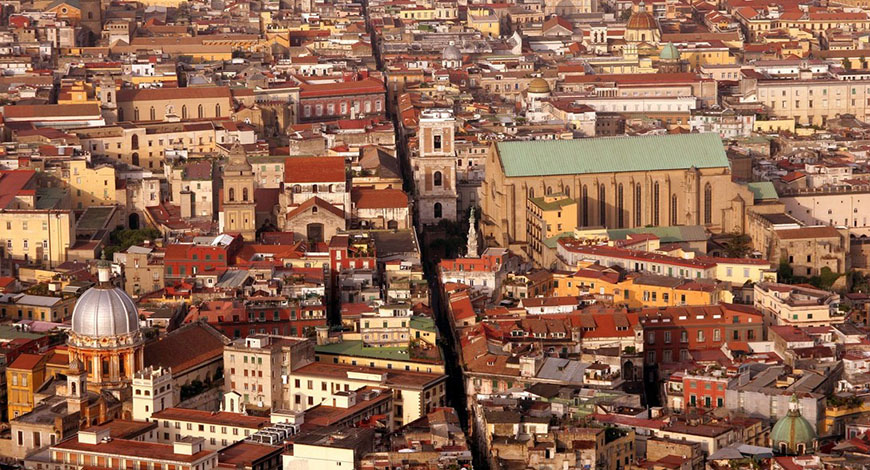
[{"x": 619, "y": 182}]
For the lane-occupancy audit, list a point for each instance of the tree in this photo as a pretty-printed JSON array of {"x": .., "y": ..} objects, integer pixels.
[
  {"x": 738, "y": 246},
  {"x": 785, "y": 273}
]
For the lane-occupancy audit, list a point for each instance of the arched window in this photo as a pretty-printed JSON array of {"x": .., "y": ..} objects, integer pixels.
[
  {"x": 184, "y": 111},
  {"x": 217, "y": 110},
  {"x": 134, "y": 142},
  {"x": 232, "y": 194},
  {"x": 708, "y": 204},
  {"x": 436, "y": 177},
  {"x": 136, "y": 114},
  {"x": 602, "y": 206},
  {"x": 567, "y": 191},
  {"x": 244, "y": 194},
  {"x": 153, "y": 114},
  {"x": 673, "y": 209},
  {"x": 437, "y": 210},
  {"x": 656, "y": 204},
  {"x": 297, "y": 188},
  {"x": 531, "y": 193},
  {"x": 120, "y": 114},
  {"x": 549, "y": 190},
  {"x": 72, "y": 388},
  {"x": 584, "y": 204},
  {"x": 638, "y": 205},
  {"x": 199, "y": 112},
  {"x": 620, "y": 217}
]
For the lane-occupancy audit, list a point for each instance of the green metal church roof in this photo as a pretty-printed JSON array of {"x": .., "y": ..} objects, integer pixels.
[
  {"x": 762, "y": 190},
  {"x": 611, "y": 154}
]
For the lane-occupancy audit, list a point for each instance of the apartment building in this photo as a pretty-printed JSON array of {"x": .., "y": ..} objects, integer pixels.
[
  {"x": 786, "y": 304},
  {"x": 23, "y": 377},
  {"x": 255, "y": 367},
  {"x": 216, "y": 429},
  {"x": 810, "y": 101},
  {"x": 96, "y": 448},
  {"x": 90, "y": 186},
  {"x": 36, "y": 307},
  {"x": 414, "y": 393}
]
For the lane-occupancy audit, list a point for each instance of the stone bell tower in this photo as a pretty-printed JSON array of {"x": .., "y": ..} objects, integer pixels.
[
  {"x": 238, "y": 214},
  {"x": 435, "y": 167}
]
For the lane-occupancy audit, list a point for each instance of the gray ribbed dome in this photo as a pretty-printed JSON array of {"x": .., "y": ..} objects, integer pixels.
[
  {"x": 103, "y": 312},
  {"x": 451, "y": 52}
]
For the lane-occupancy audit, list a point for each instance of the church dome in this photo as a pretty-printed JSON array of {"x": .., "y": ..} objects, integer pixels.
[
  {"x": 793, "y": 433},
  {"x": 641, "y": 19},
  {"x": 669, "y": 52},
  {"x": 105, "y": 311},
  {"x": 539, "y": 85},
  {"x": 451, "y": 52}
]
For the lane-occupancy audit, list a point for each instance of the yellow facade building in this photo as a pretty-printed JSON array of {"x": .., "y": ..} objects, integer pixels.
[
  {"x": 23, "y": 376},
  {"x": 35, "y": 307},
  {"x": 90, "y": 186},
  {"x": 485, "y": 22},
  {"x": 639, "y": 290},
  {"x": 37, "y": 235},
  {"x": 548, "y": 216}
]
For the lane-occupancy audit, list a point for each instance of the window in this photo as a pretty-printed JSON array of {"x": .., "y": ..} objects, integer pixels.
[
  {"x": 436, "y": 210},
  {"x": 602, "y": 205},
  {"x": 700, "y": 335},
  {"x": 708, "y": 204},
  {"x": 638, "y": 211},
  {"x": 437, "y": 178},
  {"x": 717, "y": 334},
  {"x": 667, "y": 337},
  {"x": 620, "y": 216},
  {"x": 656, "y": 204},
  {"x": 584, "y": 198}
]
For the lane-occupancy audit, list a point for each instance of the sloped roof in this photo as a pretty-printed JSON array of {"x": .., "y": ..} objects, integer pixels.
[
  {"x": 611, "y": 155},
  {"x": 186, "y": 347}
]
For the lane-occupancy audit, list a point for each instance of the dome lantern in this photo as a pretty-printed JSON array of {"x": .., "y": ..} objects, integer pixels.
[{"x": 793, "y": 434}]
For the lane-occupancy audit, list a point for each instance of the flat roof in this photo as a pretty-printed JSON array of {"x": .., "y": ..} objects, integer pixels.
[
  {"x": 123, "y": 447},
  {"x": 222, "y": 418}
]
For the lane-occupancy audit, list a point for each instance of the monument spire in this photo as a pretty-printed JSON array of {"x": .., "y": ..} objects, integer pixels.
[{"x": 471, "y": 248}]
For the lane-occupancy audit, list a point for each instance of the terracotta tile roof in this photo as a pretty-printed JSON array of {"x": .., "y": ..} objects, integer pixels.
[
  {"x": 160, "y": 94},
  {"x": 360, "y": 87},
  {"x": 315, "y": 201},
  {"x": 186, "y": 347},
  {"x": 636, "y": 79},
  {"x": 379, "y": 198},
  {"x": 314, "y": 170},
  {"x": 808, "y": 232},
  {"x": 27, "y": 111},
  {"x": 122, "y": 447},
  {"x": 27, "y": 361}
]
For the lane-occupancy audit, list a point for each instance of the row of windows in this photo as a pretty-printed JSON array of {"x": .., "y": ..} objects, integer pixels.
[
  {"x": 25, "y": 244},
  {"x": 152, "y": 112},
  {"x": 701, "y": 336},
  {"x": 24, "y": 225},
  {"x": 330, "y": 108}
]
